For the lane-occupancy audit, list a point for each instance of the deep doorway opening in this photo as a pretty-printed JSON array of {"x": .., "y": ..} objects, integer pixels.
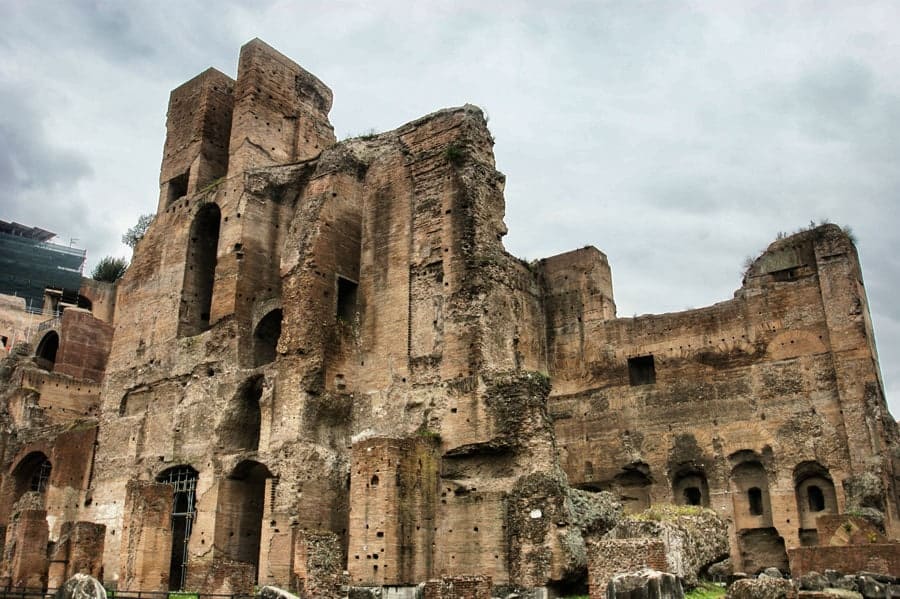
[
  {"x": 184, "y": 510},
  {"x": 239, "y": 517},
  {"x": 46, "y": 350},
  {"x": 692, "y": 496}
]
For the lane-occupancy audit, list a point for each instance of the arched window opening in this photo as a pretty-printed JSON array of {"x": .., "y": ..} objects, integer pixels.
[
  {"x": 184, "y": 510},
  {"x": 32, "y": 474},
  {"x": 754, "y": 499},
  {"x": 46, "y": 350},
  {"x": 265, "y": 338},
  {"x": 199, "y": 272},
  {"x": 374, "y": 482},
  {"x": 816, "y": 498},
  {"x": 692, "y": 496}
]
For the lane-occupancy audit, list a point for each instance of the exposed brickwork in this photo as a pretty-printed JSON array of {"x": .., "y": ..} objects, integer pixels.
[
  {"x": 881, "y": 558},
  {"x": 458, "y": 587},
  {"x": 606, "y": 558}
]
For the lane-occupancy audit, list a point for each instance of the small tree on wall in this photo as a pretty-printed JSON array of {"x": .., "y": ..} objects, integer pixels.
[
  {"x": 110, "y": 269},
  {"x": 136, "y": 233}
]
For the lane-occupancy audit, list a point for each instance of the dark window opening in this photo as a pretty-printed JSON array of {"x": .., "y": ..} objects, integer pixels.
[
  {"x": 692, "y": 496},
  {"x": 3, "y": 340},
  {"x": 754, "y": 497},
  {"x": 641, "y": 370},
  {"x": 178, "y": 187},
  {"x": 374, "y": 482},
  {"x": 184, "y": 481},
  {"x": 265, "y": 338},
  {"x": 346, "y": 299},
  {"x": 85, "y": 303},
  {"x": 200, "y": 271},
  {"x": 47, "y": 348},
  {"x": 816, "y": 498},
  {"x": 788, "y": 274},
  {"x": 40, "y": 479}
]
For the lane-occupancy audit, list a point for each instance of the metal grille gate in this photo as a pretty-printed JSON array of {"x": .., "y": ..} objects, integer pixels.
[{"x": 184, "y": 479}]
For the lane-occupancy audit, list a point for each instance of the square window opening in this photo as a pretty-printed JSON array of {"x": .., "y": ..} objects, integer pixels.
[
  {"x": 178, "y": 187},
  {"x": 641, "y": 370}
]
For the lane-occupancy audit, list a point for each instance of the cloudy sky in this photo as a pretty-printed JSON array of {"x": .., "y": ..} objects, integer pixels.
[{"x": 677, "y": 137}]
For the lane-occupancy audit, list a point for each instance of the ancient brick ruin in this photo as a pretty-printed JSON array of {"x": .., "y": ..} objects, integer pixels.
[{"x": 323, "y": 369}]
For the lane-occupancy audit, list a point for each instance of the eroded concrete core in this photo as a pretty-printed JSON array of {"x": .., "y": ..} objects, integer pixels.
[{"x": 326, "y": 371}]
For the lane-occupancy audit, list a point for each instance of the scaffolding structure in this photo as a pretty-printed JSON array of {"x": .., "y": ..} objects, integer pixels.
[{"x": 30, "y": 263}]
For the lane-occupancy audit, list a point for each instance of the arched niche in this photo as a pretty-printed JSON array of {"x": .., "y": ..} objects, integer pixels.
[
  {"x": 199, "y": 271},
  {"x": 750, "y": 494},
  {"x": 265, "y": 337},
  {"x": 815, "y": 495},
  {"x": 47, "y": 348},
  {"x": 690, "y": 487},
  {"x": 32, "y": 475},
  {"x": 183, "y": 479},
  {"x": 633, "y": 487}
]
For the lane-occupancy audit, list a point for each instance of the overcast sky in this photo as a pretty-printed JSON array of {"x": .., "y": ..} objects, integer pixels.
[{"x": 677, "y": 137}]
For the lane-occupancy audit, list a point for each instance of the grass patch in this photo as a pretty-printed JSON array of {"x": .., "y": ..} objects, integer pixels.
[
  {"x": 705, "y": 590},
  {"x": 664, "y": 511}
]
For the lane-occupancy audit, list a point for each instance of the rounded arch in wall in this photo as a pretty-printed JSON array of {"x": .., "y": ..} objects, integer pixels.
[
  {"x": 47, "y": 349},
  {"x": 32, "y": 474}
]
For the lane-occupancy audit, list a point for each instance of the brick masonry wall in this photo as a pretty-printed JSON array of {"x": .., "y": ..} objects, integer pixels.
[
  {"x": 606, "y": 558},
  {"x": 458, "y": 587},
  {"x": 881, "y": 558}
]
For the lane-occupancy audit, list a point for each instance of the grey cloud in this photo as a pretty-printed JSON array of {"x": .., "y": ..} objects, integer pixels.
[{"x": 28, "y": 160}]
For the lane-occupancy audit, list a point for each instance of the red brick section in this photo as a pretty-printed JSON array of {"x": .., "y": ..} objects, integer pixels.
[
  {"x": 29, "y": 561},
  {"x": 458, "y": 587},
  {"x": 618, "y": 556},
  {"x": 882, "y": 558},
  {"x": 220, "y": 576},
  {"x": 84, "y": 346},
  {"x": 78, "y": 550},
  {"x": 841, "y": 529}
]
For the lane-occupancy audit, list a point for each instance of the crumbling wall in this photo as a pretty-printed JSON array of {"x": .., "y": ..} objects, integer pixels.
[{"x": 688, "y": 393}]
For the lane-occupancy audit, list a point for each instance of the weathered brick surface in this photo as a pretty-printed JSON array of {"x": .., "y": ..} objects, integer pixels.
[
  {"x": 606, "y": 558},
  {"x": 304, "y": 316},
  {"x": 458, "y": 587},
  {"x": 880, "y": 558}
]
